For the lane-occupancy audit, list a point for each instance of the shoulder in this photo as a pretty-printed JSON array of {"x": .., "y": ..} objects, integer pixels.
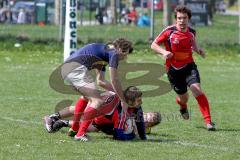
[
  {"x": 171, "y": 28},
  {"x": 191, "y": 30},
  {"x": 168, "y": 30}
]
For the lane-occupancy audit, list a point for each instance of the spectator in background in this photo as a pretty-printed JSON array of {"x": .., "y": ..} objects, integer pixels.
[
  {"x": 99, "y": 15},
  {"x": 143, "y": 20},
  {"x": 132, "y": 16},
  {"x": 22, "y": 16},
  {"x": 3, "y": 14},
  {"x": 124, "y": 15}
]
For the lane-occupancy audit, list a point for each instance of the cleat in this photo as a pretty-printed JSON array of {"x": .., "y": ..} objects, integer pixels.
[
  {"x": 82, "y": 138},
  {"x": 48, "y": 122},
  {"x": 71, "y": 132},
  {"x": 211, "y": 127},
  {"x": 55, "y": 117},
  {"x": 185, "y": 114},
  {"x": 59, "y": 124}
]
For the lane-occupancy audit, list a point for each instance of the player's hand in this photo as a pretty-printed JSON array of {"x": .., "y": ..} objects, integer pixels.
[
  {"x": 167, "y": 55},
  {"x": 201, "y": 53}
]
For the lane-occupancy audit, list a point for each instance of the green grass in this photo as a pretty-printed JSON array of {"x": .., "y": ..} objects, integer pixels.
[
  {"x": 223, "y": 31},
  {"x": 26, "y": 97}
]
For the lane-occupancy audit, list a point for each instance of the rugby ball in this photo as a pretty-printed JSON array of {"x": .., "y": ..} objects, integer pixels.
[{"x": 128, "y": 126}]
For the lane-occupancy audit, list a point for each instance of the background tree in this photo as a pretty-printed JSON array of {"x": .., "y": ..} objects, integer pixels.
[{"x": 114, "y": 11}]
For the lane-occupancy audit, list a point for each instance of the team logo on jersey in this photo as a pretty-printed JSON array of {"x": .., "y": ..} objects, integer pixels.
[
  {"x": 109, "y": 100},
  {"x": 176, "y": 41}
]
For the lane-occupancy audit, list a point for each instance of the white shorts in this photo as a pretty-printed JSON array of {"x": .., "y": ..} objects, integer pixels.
[{"x": 76, "y": 74}]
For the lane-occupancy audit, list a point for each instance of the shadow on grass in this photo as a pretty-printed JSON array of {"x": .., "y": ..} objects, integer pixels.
[
  {"x": 153, "y": 137},
  {"x": 228, "y": 130},
  {"x": 221, "y": 129}
]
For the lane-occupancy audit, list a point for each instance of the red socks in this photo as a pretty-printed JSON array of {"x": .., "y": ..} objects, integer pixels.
[
  {"x": 79, "y": 108},
  {"x": 89, "y": 114},
  {"x": 107, "y": 107},
  {"x": 204, "y": 107},
  {"x": 182, "y": 106}
]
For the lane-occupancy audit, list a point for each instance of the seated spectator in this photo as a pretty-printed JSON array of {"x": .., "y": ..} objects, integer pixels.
[{"x": 143, "y": 20}]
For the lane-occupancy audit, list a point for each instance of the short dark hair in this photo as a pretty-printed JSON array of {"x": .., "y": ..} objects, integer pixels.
[
  {"x": 182, "y": 9},
  {"x": 131, "y": 93},
  {"x": 123, "y": 44}
]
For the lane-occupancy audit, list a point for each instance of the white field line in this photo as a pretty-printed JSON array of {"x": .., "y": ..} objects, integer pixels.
[
  {"x": 20, "y": 120},
  {"x": 183, "y": 143},
  {"x": 215, "y": 147}
]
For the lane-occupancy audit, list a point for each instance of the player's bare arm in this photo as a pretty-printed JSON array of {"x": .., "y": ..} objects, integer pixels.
[
  {"x": 160, "y": 50},
  {"x": 117, "y": 86},
  {"x": 197, "y": 49}
]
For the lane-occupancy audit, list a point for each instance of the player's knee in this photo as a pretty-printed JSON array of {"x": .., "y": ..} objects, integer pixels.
[{"x": 196, "y": 90}]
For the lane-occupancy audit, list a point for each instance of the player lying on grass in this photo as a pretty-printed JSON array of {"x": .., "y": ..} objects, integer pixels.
[{"x": 111, "y": 123}]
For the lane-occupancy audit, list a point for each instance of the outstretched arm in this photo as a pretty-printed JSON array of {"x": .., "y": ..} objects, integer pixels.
[{"x": 117, "y": 87}]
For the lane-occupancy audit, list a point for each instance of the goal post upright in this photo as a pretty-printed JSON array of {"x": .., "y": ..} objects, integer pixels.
[{"x": 70, "y": 38}]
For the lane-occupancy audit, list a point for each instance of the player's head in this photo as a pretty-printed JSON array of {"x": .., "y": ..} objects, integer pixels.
[
  {"x": 133, "y": 96},
  {"x": 182, "y": 9},
  {"x": 182, "y": 16},
  {"x": 123, "y": 46}
]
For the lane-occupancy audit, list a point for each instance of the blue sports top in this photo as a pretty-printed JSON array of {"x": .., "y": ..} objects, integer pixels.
[{"x": 95, "y": 56}]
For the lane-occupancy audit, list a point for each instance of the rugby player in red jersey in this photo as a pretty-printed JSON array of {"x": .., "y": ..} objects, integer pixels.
[
  {"x": 179, "y": 41},
  {"x": 113, "y": 122}
]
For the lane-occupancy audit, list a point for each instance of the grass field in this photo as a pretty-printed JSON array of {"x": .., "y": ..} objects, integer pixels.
[
  {"x": 223, "y": 31},
  {"x": 26, "y": 97}
]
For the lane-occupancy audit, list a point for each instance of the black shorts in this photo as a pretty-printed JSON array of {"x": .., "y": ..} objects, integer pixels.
[{"x": 183, "y": 78}]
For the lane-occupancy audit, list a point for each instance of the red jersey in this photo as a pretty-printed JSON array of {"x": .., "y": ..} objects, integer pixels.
[
  {"x": 179, "y": 43},
  {"x": 117, "y": 117}
]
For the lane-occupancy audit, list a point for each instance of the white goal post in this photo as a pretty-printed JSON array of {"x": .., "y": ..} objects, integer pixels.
[{"x": 70, "y": 39}]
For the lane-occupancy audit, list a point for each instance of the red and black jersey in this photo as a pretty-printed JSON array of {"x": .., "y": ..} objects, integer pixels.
[
  {"x": 179, "y": 43},
  {"x": 114, "y": 123}
]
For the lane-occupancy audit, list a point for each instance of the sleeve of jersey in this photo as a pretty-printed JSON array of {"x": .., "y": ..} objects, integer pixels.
[
  {"x": 118, "y": 133},
  {"x": 162, "y": 37},
  {"x": 113, "y": 60},
  {"x": 140, "y": 124}
]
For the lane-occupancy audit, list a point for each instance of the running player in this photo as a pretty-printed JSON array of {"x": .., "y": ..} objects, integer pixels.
[{"x": 179, "y": 40}]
